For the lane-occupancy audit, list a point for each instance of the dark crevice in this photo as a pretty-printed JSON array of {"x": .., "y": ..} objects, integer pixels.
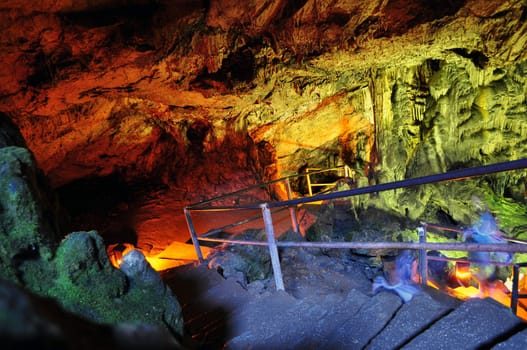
[
  {"x": 103, "y": 17},
  {"x": 41, "y": 73},
  {"x": 94, "y": 203},
  {"x": 394, "y": 315},
  {"x": 502, "y": 337},
  {"x": 9, "y": 133},
  {"x": 365, "y": 26},
  {"x": 130, "y": 26},
  {"x": 238, "y": 67},
  {"x": 402, "y": 15},
  {"x": 479, "y": 59},
  {"x": 292, "y": 7},
  {"x": 340, "y": 19}
]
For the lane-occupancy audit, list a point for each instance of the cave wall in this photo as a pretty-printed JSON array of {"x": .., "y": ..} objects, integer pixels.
[{"x": 214, "y": 96}]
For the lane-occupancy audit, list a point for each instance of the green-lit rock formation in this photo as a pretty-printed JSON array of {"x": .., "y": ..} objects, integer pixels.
[{"x": 74, "y": 271}]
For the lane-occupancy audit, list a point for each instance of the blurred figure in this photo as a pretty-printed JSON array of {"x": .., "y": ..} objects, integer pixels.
[
  {"x": 488, "y": 274},
  {"x": 402, "y": 279}
]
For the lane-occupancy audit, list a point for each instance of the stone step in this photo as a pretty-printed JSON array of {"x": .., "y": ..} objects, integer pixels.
[
  {"x": 337, "y": 314},
  {"x": 475, "y": 324},
  {"x": 206, "y": 299},
  {"x": 220, "y": 313},
  {"x": 516, "y": 341},
  {"x": 279, "y": 321},
  {"x": 410, "y": 320},
  {"x": 360, "y": 327}
]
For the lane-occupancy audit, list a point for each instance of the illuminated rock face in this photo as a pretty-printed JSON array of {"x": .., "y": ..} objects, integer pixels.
[{"x": 215, "y": 96}]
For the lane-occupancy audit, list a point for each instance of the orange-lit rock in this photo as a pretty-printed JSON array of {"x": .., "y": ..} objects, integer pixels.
[{"x": 208, "y": 97}]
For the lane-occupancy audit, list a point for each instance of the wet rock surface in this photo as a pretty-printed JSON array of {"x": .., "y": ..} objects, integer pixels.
[{"x": 196, "y": 97}]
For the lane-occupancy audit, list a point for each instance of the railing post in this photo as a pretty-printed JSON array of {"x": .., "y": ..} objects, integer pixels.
[
  {"x": 423, "y": 268},
  {"x": 515, "y": 286},
  {"x": 273, "y": 250},
  {"x": 193, "y": 235},
  {"x": 292, "y": 210},
  {"x": 308, "y": 179},
  {"x": 347, "y": 171}
]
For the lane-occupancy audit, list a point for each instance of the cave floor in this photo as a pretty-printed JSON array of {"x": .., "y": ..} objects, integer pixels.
[{"x": 332, "y": 310}]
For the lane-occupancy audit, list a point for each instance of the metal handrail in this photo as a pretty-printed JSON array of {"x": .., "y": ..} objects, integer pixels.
[
  {"x": 422, "y": 246},
  {"x": 348, "y": 172},
  {"x": 515, "y": 287},
  {"x": 423, "y": 258},
  {"x": 448, "y": 176},
  {"x": 201, "y": 205}
]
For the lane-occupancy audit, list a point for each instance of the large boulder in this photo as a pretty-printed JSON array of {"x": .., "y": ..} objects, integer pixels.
[
  {"x": 133, "y": 294},
  {"x": 25, "y": 237},
  {"x": 74, "y": 270}
]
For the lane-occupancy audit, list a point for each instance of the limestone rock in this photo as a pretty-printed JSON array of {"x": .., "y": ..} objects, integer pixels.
[
  {"x": 215, "y": 98},
  {"x": 135, "y": 295},
  {"x": 243, "y": 263},
  {"x": 149, "y": 297},
  {"x": 76, "y": 271}
]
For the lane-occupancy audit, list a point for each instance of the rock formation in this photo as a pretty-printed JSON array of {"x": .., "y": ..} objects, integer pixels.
[
  {"x": 129, "y": 81},
  {"x": 200, "y": 98},
  {"x": 42, "y": 275},
  {"x": 197, "y": 95}
]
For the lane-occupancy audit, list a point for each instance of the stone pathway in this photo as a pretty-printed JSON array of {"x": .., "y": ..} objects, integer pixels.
[{"x": 221, "y": 314}]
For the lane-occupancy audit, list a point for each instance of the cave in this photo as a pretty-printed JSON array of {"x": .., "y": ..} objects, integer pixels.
[{"x": 119, "y": 117}]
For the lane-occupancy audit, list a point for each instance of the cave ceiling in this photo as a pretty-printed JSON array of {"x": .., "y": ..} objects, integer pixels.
[{"x": 225, "y": 91}]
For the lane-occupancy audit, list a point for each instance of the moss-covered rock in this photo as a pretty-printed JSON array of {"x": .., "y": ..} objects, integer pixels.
[
  {"x": 21, "y": 225},
  {"x": 86, "y": 282},
  {"x": 148, "y": 298},
  {"x": 29, "y": 321},
  {"x": 75, "y": 270}
]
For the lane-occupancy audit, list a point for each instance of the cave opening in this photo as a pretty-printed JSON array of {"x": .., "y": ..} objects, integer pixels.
[
  {"x": 141, "y": 202},
  {"x": 100, "y": 203}
]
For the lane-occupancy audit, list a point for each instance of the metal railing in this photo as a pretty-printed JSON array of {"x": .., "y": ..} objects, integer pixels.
[
  {"x": 347, "y": 173},
  {"x": 265, "y": 208},
  {"x": 515, "y": 287},
  {"x": 423, "y": 260}
]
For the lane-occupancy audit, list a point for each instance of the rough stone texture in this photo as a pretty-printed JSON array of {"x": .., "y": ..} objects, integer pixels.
[
  {"x": 517, "y": 341},
  {"x": 476, "y": 326},
  {"x": 411, "y": 319},
  {"x": 75, "y": 273},
  {"x": 135, "y": 295},
  {"x": 138, "y": 89},
  {"x": 9, "y": 133},
  {"x": 207, "y": 97},
  {"x": 373, "y": 316},
  {"x": 243, "y": 263},
  {"x": 148, "y": 298},
  {"x": 259, "y": 318},
  {"x": 34, "y": 322},
  {"x": 26, "y": 237}
]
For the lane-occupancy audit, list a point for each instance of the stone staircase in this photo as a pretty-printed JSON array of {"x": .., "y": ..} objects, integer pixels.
[{"x": 221, "y": 314}]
